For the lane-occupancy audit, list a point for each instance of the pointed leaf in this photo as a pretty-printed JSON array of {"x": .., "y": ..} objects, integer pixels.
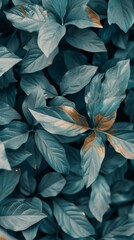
[
  {"x": 15, "y": 157},
  {"x": 4, "y": 164},
  {"x": 7, "y": 114},
  {"x": 94, "y": 17},
  {"x": 92, "y": 155},
  {"x": 71, "y": 219}
]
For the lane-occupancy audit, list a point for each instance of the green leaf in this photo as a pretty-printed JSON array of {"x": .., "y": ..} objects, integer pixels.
[
  {"x": 8, "y": 182},
  {"x": 120, "y": 12},
  {"x": 7, "y": 114},
  {"x": 51, "y": 185},
  {"x": 123, "y": 142},
  {"x": 71, "y": 219},
  {"x": 4, "y": 164},
  {"x": 81, "y": 76},
  {"x": 7, "y": 60},
  {"x": 35, "y": 60},
  {"x": 85, "y": 39},
  {"x": 100, "y": 198},
  {"x": 27, "y": 17},
  {"x": 92, "y": 155},
  {"x": 19, "y": 215},
  {"x": 52, "y": 151},
  {"x": 62, "y": 120},
  {"x": 49, "y": 36}
]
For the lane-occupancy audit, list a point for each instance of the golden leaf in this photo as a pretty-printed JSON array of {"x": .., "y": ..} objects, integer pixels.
[
  {"x": 22, "y": 9},
  {"x": 105, "y": 123},
  {"x": 94, "y": 17},
  {"x": 3, "y": 238}
]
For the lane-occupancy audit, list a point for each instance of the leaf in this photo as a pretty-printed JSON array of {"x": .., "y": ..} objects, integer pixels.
[
  {"x": 105, "y": 97},
  {"x": 59, "y": 7},
  {"x": 4, "y": 164},
  {"x": 94, "y": 17},
  {"x": 19, "y": 215},
  {"x": 52, "y": 151},
  {"x": 122, "y": 142},
  {"x": 7, "y": 114},
  {"x": 120, "y": 12},
  {"x": 27, "y": 184},
  {"x": 8, "y": 182},
  {"x": 5, "y": 236},
  {"x": 15, "y": 157},
  {"x": 74, "y": 184},
  {"x": 81, "y": 76},
  {"x": 49, "y": 36},
  {"x": 7, "y": 60},
  {"x": 14, "y": 134},
  {"x": 100, "y": 198},
  {"x": 71, "y": 219},
  {"x": 62, "y": 120},
  {"x": 51, "y": 185},
  {"x": 30, "y": 81},
  {"x": 92, "y": 155},
  {"x": 27, "y": 17},
  {"x": 35, "y": 60},
  {"x": 84, "y": 39}
]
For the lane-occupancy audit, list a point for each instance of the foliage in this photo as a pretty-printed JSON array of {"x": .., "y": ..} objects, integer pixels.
[{"x": 66, "y": 119}]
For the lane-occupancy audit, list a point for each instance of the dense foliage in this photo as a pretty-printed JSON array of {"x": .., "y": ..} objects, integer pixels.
[{"x": 66, "y": 119}]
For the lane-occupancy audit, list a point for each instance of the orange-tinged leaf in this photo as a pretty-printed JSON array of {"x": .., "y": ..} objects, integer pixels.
[
  {"x": 22, "y": 9},
  {"x": 94, "y": 17},
  {"x": 105, "y": 122}
]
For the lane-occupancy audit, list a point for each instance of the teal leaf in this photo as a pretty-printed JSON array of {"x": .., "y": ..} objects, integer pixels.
[
  {"x": 8, "y": 182},
  {"x": 52, "y": 151},
  {"x": 120, "y": 12},
  {"x": 49, "y": 36},
  {"x": 6, "y": 79},
  {"x": 92, "y": 155},
  {"x": 27, "y": 184},
  {"x": 62, "y": 120},
  {"x": 30, "y": 81},
  {"x": 51, "y": 185},
  {"x": 74, "y": 184},
  {"x": 84, "y": 39},
  {"x": 19, "y": 215},
  {"x": 122, "y": 142},
  {"x": 14, "y": 134},
  {"x": 16, "y": 157},
  {"x": 7, "y": 114},
  {"x": 35, "y": 60},
  {"x": 100, "y": 198},
  {"x": 30, "y": 233},
  {"x": 7, "y": 60},
  {"x": 28, "y": 17},
  {"x": 60, "y": 7},
  {"x": 60, "y": 100},
  {"x": 4, "y": 163},
  {"x": 105, "y": 97},
  {"x": 81, "y": 76},
  {"x": 71, "y": 219},
  {"x": 4, "y": 235}
]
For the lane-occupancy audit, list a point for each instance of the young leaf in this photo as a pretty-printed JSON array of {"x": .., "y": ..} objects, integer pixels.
[
  {"x": 71, "y": 219},
  {"x": 122, "y": 142},
  {"x": 7, "y": 60},
  {"x": 7, "y": 114},
  {"x": 52, "y": 151},
  {"x": 49, "y": 36},
  {"x": 4, "y": 164},
  {"x": 85, "y": 39},
  {"x": 121, "y": 13},
  {"x": 81, "y": 76},
  {"x": 27, "y": 17},
  {"x": 19, "y": 215},
  {"x": 92, "y": 155},
  {"x": 100, "y": 198},
  {"x": 62, "y": 120},
  {"x": 8, "y": 182},
  {"x": 51, "y": 185}
]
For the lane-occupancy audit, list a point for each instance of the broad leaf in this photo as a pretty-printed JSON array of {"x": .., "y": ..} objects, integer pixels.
[
  {"x": 8, "y": 182},
  {"x": 85, "y": 39},
  {"x": 28, "y": 17},
  {"x": 62, "y": 120},
  {"x": 7, "y": 114},
  {"x": 52, "y": 151},
  {"x": 81, "y": 76},
  {"x": 19, "y": 215},
  {"x": 4, "y": 163},
  {"x": 49, "y": 36},
  {"x": 7, "y": 60},
  {"x": 92, "y": 155},
  {"x": 100, "y": 198},
  {"x": 51, "y": 185},
  {"x": 121, "y": 13},
  {"x": 71, "y": 219}
]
